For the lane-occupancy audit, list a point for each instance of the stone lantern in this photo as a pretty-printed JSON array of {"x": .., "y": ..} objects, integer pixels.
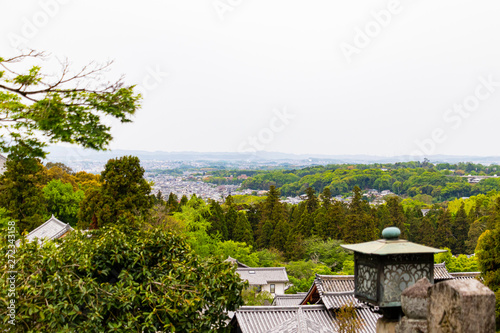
[{"x": 385, "y": 267}]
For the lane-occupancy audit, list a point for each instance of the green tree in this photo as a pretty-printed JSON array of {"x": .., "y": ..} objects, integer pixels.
[
  {"x": 280, "y": 235},
  {"x": 295, "y": 247},
  {"x": 444, "y": 235},
  {"x": 460, "y": 230},
  {"x": 172, "y": 205},
  {"x": 243, "y": 230},
  {"x": 230, "y": 217},
  {"x": 476, "y": 229},
  {"x": 63, "y": 201},
  {"x": 397, "y": 215},
  {"x": 252, "y": 297},
  {"x": 215, "y": 215},
  {"x": 124, "y": 194},
  {"x": 360, "y": 224},
  {"x": 120, "y": 278},
  {"x": 273, "y": 211},
  {"x": 312, "y": 202},
  {"x": 327, "y": 252},
  {"x": 183, "y": 202},
  {"x": 21, "y": 191},
  {"x": 488, "y": 257},
  {"x": 38, "y": 109}
]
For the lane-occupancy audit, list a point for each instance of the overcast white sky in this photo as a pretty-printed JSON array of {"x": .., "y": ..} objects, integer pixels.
[{"x": 345, "y": 77}]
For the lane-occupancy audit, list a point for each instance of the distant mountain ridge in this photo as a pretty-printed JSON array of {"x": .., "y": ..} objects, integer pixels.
[{"x": 63, "y": 154}]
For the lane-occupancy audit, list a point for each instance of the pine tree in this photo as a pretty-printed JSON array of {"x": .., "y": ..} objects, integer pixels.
[
  {"x": 444, "y": 236},
  {"x": 183, "y": 202},
  {"x": 231, "y": 216},
  {"x": 243, "y": 230},
  {"x": 273, "y": 211},
  {"x": 460, "y": 230},
  {"x": 21, "y": 192},
  {"x": 217, "y": 221},
  {"x": 295, "y": 249},
  {"x": 280, "y": 235},
  {"x": 125, "y": 194},
  {"x": 265, "y": 235},
  {"x": 172, "y": 203},
  {"x": 326, "y": 198},
  {"x": 397, "y": 215},
  {"x": 312, "y": 202},
  {"x": 360, "y": 224},
  {"x": 414, "y": 218},
  {"x": 334, "y": 221},
  {"x": 306, "y": 224}
]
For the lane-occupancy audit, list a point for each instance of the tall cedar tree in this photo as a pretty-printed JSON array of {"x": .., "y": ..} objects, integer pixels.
[
  {"x": 123, "y": 196},
  {"x": 397, "y": 214},
  {"x": 444, "y": 235},
  {"x": 360, "y": 224},
  {"x": 280, "y": 235},
  {"x": 243, "y": 230},
  {"x": 312, "y": 201},
  {"x": 335, "y": 220},
  {"x": 172, "y": 203},
  {"x": 21, "y": 192},
  {"x": 231, "y": 216},
  {"x": 183, "y": 202},
  {"x": 306, "y": 224},
  {"x": 460, "y": 228},
  {"x": 215, "y": 215},
  {"x": 414, "y": 218},
  {"x": 272, "y": 212}
]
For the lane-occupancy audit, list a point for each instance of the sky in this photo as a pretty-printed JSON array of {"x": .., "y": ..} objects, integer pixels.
[{"x": 326, "y": 77}]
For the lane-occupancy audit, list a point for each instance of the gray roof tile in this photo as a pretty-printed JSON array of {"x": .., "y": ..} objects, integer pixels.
[
  {"x": 51, "y": 229},
  {"x": 288, "y": 299},
  {"x": 441, "y": 273},
  {"x": 263, "y": 275},
  {"x": 295, "y": 319}
]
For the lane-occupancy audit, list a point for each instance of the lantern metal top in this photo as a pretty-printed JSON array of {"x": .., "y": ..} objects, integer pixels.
[{"x": 391, "y": 244}]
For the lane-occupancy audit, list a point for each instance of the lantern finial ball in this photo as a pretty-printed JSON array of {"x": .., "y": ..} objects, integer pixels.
[{"x": 391, "y": 233}]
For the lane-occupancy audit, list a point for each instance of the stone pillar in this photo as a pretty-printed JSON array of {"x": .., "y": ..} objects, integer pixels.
[
  {"x": 415, "y": 301},
  {"x": 461, "y": 306}
]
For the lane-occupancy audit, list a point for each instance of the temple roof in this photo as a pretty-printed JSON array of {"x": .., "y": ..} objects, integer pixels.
[{"x": 389, "y": 246}]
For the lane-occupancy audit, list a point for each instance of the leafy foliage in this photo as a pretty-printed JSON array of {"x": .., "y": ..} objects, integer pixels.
[
  {"x": 121, "y": 279},
  {"x": 124, "y": 194},
  {"x": 62, "y": 201},
  {"x": 252, "y": 297},
  {"x": 21, "y": 191},
  {"x": 38, "y": 109}
]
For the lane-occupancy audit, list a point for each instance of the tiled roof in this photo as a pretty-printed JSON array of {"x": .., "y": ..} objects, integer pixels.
[
  {"x": 338, "y": 300},
  {"x": 51, "y": 229},
  {"x": 335, "y": 283},
  {"x": 299, "y": 324},
  {"x": 334, "y": 287},
  {"x": 295, "y": 319},
  {"x": 288, "y": 299},
  {"x": 441, "y": 273},
  {"x": 263, "y": 275},
  {"x": 466, "y": 275},
  {"x": 369, "y": 319},
  {"x": 266, "y": 319}
]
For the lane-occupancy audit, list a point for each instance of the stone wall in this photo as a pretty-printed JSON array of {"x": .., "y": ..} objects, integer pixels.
[{"x": 459, "y": 306}]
